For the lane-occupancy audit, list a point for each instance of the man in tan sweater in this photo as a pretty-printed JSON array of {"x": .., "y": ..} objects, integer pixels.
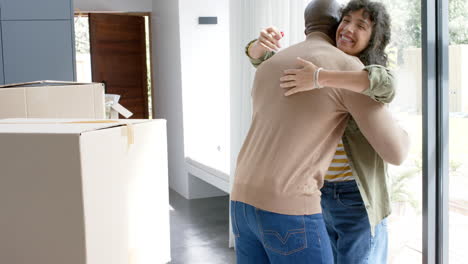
[{"x": 276, "y": 212}]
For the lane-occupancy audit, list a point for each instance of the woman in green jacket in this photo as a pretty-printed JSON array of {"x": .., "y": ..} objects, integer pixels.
[{"x": 355, "y": 196}]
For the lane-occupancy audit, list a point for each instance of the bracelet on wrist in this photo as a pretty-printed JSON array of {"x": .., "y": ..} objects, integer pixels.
[
  {"x": 316, "y": 76},
  {"x": 247, "y": 47}
]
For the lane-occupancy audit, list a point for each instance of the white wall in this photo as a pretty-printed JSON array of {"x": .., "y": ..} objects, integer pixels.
[
  {"x": 182, "y": 59},
  {"x": 205, "y": 81},
  {"x": 116, "y": 5},
  {"x": 167, "y": 95},
  {"x": 205, "y": 88}
]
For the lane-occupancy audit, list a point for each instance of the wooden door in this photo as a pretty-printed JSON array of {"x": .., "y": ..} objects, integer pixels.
[{"x": 118, "y": 58}]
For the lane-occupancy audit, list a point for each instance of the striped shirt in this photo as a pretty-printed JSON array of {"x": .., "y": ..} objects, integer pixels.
[{"x": 339, "y": 169}]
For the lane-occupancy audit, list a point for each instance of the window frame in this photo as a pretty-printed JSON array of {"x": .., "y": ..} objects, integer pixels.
[{"x": 435, "y": 102}]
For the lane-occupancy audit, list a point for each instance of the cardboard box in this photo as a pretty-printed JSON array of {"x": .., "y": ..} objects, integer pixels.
[
  {"x": 83, "y": 192},
  {"x": 52, "y": 99}
]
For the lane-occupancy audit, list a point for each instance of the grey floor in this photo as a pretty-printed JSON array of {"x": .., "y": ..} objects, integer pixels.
[{"x": 200, "y": 230}]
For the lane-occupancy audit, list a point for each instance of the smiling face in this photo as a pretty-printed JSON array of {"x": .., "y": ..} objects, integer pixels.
[{"x": 354, "y": 32}]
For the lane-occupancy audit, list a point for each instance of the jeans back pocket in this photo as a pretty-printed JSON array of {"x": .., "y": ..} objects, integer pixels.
[{"x": 283, "y": 234}]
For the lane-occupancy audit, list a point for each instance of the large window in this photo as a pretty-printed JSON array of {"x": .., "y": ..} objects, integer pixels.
[
  {"x": 458, "y": 125},
  {"x": 404, "y": 52}
]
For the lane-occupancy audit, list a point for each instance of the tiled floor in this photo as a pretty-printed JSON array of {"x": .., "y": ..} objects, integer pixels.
[{"x": 200, "y": 230}]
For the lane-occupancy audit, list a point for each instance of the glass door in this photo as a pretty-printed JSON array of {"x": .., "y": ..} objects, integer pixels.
[
  {"x": 405, "y": 59},
  {"x": 458, "y": 127}
]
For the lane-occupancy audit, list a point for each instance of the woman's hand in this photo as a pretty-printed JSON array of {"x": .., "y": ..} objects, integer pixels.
[
  {"x": 268, "y": 40},
  {"x": 299, "y": 80}
]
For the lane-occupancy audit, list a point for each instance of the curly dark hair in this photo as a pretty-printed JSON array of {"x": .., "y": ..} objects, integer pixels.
[{"x": 381, "y": 30}]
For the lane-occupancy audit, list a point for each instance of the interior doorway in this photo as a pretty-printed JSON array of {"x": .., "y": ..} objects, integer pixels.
[{"x": 114, "y": 48}]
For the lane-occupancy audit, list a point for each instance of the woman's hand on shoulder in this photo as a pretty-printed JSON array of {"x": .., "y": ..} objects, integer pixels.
[
  {"x": 299, "y": 80},
  {"x": 268, "y": 40}
]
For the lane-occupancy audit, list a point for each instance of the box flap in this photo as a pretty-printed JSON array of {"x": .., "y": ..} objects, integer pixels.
[
  {"x": 41, "y": 83},
  {"x": 61, "y": 126},
  {"x": 122, "y": 110}
]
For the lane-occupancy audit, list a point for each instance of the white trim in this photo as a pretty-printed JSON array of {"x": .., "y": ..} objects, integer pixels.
[{"x": 212, "y": 176}]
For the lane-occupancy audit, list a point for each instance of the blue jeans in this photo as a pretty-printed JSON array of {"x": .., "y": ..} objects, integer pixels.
[
  {"x": 266, "y": 237},
  {"x": 348, "y": 226}
]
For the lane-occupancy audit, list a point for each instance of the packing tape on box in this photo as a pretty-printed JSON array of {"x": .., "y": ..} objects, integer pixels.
[
  {"x": 122, "y": 110},
  {"x": 130, "y": 134},
  {"x": 130, "y": 129}
]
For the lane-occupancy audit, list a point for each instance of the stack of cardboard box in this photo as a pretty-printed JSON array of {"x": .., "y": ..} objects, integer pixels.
[{"x": 84, "y": 190}]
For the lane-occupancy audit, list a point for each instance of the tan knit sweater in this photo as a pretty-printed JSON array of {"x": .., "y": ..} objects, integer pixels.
[{"x": 291, "y": 141}]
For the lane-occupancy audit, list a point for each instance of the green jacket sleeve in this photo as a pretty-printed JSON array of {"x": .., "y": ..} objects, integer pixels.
[
  {"x": 257, "y": 62},
  {"x": 382, "y": 84}
]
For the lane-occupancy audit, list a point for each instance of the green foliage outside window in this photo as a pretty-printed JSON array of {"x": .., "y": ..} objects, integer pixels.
[{"x": 406, "y": 32}]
